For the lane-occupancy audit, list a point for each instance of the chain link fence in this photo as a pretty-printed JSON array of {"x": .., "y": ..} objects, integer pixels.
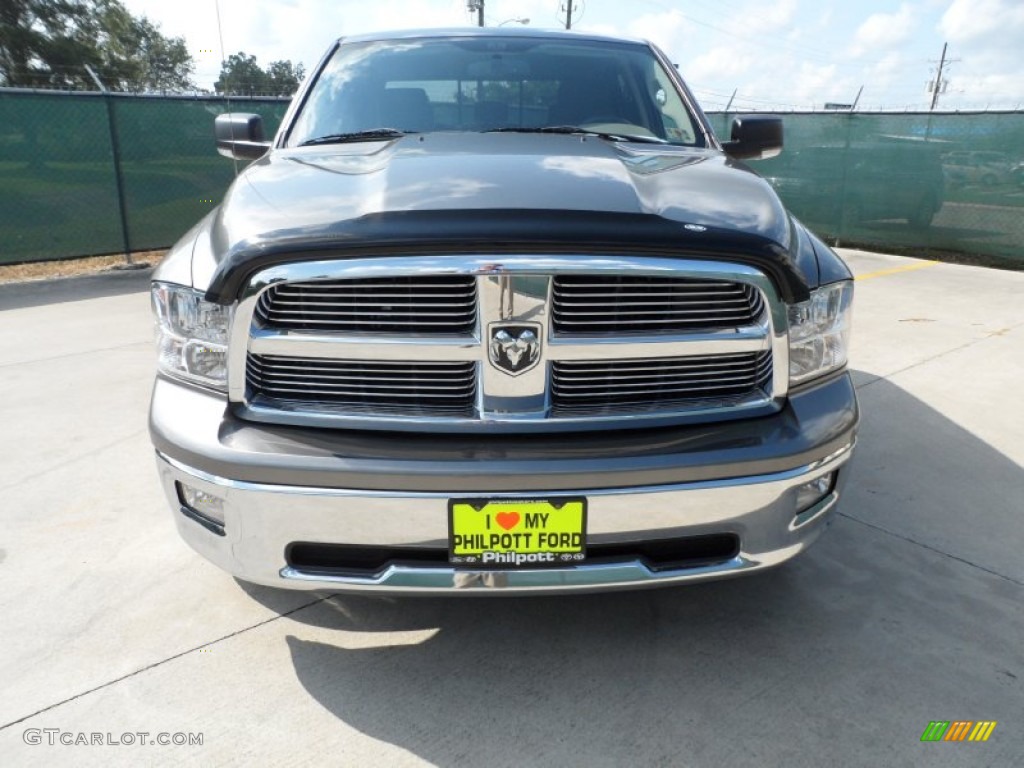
[
  {"x": 67, "y": 192},
  {"x": 926, "y": 184},
  {"x": 89, "y": 173}
]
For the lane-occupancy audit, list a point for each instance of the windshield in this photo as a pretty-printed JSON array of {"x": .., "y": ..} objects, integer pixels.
[{"x": 495, "y": 83}]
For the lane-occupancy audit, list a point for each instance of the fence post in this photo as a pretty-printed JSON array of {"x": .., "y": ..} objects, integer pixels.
[
  {"x": 115, "y": 142},
  {"x": 115, "y": 145},
  {"x": 849, "y": 211}
]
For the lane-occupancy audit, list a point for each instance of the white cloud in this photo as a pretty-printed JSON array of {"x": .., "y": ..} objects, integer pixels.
[
  {"x": 666, "y": 29},
  {"x": 601, "y": 29},
  {"x": 768, "y": 18},
  {"x": 721, "y": 62},
  {"x": 992, "y": 22},
  {"x": 806, "y": 86},
  {"x": 815, "y": 84},
  {"x": 985, "y": 41},
  {"x": 983, "y": 91},
  {"x": 660, "y": 28},
  {"x": 883, "y": 31},
  {"x": 300, "y": 30},
  {"x": 886, "y": 68},
  {"x": 783, "y": 53}
]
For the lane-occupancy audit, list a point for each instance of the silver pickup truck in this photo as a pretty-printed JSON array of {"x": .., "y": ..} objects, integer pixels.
[{"x": 495, "y": 312}]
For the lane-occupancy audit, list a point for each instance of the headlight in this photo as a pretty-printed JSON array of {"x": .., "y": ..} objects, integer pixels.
[
  {"x": 192, "y": 335},
  {"x": 819, "y": 332}
]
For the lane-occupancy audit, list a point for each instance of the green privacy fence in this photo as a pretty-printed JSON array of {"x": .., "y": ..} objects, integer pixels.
[
  {"x": 926, "y": 183},
  {"x": 923, "y": 183},
  {"x": 62, "y": 194}
]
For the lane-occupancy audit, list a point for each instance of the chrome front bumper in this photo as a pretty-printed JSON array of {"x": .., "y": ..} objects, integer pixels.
[
  {"x": 262, "y": 520},
  {"x": 281, "y": 486}
]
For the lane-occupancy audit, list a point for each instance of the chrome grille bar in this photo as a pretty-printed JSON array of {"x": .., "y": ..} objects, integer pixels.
[
  {"x": 629, "y": 304},
  {"x": 651, "y": 384},
  {"x": 428, "y": 305},
  {"x": 420, "y": 388},
  {"x": 625, "y": 341}
]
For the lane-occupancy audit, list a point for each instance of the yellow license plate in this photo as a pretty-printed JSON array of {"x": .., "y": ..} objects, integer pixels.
[{"x": 516, "y": 533}]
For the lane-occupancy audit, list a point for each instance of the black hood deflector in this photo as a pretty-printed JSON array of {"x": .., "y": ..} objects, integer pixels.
[{"x": 504, "y": 231}]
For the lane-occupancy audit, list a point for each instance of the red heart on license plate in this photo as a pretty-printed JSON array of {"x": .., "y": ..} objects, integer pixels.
[{"x": 507, "y": 520}]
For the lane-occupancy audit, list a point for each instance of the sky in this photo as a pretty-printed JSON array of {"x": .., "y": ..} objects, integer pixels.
[{"x": 780, "y": 54}]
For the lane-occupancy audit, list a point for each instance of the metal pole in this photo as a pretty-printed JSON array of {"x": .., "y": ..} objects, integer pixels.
[
  {"x": 115, "y": 145},
  {"x": 480, "y": 14},
  {"x": 734, "y": 90},
  {"x": 725, "y": 114},
  {"x": 223, "y": 60},
  {"x": 938, "y": 78},
  {"x": 568, "y": 14}
]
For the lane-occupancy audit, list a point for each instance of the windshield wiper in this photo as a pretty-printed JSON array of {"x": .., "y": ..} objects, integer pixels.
[
  {"x": 374, "y": 134},
  {"x": 575, "y": 129}
]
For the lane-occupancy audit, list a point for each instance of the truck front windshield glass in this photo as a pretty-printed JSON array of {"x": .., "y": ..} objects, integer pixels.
[{"x": 488, "y": 84}]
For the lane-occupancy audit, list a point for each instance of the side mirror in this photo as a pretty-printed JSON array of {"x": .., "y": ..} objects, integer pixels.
[
  {"x": 755, "y": 137},
  {"x": 240, "y": 135}
]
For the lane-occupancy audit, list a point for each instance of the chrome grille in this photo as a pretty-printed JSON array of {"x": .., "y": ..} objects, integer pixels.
[
  {"x": 632, "y": 304},
  {"x": 397, "y": 387},
  {"x": 436, "y": 305},
  {"x": 600, "y": 387},
  {"x": 391, "y": 342}
]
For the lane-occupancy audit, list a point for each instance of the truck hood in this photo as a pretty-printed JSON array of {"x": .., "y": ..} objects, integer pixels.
[{"x": 453, "y": 191}]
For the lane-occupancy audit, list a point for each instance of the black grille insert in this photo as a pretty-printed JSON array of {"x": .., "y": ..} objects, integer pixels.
[
  {"x": 589, "y": 386},
  {"x": 433, "y": 305},
  {"x": 584, "y": 305},
  {"x": 408, "y": 388}
]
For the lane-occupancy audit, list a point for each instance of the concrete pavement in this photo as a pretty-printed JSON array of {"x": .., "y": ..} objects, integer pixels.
[{"x": 910, "y": 609}]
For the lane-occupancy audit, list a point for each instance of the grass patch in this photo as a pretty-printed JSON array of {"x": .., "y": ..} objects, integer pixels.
[{"x": 48, "y": 270}]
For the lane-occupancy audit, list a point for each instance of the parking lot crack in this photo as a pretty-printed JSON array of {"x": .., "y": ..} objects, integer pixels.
[
  {"x": 166, "y": 660},
  {"x": 919, "y": 363},
  {"x": 30, "y": 361},
  {"x": 91, "y": 454},
  {"x": 930, "y": 548}
]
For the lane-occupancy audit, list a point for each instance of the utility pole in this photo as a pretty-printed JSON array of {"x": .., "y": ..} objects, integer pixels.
[
  {"x": 478, "y": 6},
  {"x": 938, "y": 85},
  {"x": 568, "y": 14}
]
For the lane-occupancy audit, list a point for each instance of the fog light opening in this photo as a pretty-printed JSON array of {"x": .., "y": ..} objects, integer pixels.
[
  {"x": 810, "y": 494},
  {"x": 202, "y": 506}
]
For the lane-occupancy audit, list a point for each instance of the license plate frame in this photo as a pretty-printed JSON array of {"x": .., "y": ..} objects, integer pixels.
[{"x": 518, "y": 533}]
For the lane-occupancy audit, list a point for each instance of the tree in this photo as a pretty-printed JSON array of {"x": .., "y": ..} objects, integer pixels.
[
  {"x": 284, "y": 78},
  {"x": 37, "y": 37},
  {"x": 136, "y": 57},
  {"x": 50, "y": 42},
  {"x": 242, "y": 75}
]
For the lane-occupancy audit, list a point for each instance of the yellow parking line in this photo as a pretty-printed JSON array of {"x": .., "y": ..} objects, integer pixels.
[{"x": 897, "y": 270}]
